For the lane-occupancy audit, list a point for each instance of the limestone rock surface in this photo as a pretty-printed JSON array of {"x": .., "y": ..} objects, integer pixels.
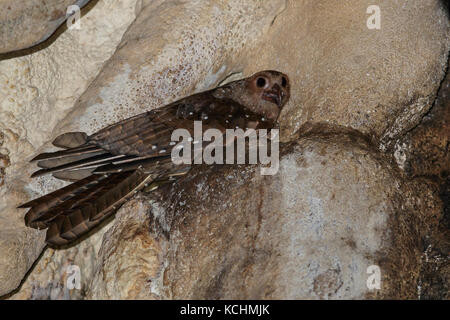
[
  {"x": 335, "y": 208},
  {"x": 26, "y": 23},
  {"x": 36, "y": 92}
]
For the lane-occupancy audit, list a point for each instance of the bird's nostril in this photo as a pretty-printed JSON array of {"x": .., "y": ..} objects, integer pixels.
[{"x": 276, "y": 87}]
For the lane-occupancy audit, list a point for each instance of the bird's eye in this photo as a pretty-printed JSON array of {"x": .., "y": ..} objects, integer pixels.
[
  {"x": 283, "y": 81},
  {"x": 261, "y": 82}
]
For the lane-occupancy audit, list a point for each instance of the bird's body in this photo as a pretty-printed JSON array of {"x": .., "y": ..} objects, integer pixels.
[{"x": 110, "y": 166}]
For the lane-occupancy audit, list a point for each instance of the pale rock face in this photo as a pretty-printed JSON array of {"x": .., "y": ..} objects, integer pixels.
[
  {"x": 173, "y": 49},
  {"x": 309, "y": 232},
  {"x": 26, "y": 23},
  {"x": 130, "y": 261},
  {"x": 228, "y": 245},
  {"x": 36, "y": 92}
]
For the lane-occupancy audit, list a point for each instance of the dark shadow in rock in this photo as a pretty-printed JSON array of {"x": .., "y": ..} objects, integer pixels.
[{"x": 427, "y": 155}]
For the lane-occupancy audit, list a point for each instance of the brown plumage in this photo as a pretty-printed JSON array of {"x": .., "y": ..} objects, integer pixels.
[{"x": 110, "y": 166}]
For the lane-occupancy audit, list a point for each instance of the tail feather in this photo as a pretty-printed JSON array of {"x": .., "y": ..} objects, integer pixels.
[
  {"x": 134, "y": 164},
  {"x": 65, "y": 163},
  {"x": 88, "y": 148},
  {"x": 55, "y": 162},
  {"x": 60, "y": 193},
  {"x": 101, "y": 183},
  {"x": 82, "y": 195},
  {"x": 74, "y": 210},
  {"x": 89, "y": 212},
  {"x": 90, "y": 162},
  {"x": 48, "y": 201}
]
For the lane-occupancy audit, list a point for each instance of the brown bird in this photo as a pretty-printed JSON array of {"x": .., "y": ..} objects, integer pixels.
[{"x": 108, "y": 167}]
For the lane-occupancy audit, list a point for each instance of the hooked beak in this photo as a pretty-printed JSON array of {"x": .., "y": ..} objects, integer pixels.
[{"x": 274, "y": 95}]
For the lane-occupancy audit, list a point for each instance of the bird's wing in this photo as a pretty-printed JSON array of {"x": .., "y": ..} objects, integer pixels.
[
  {"x": 133, "y": 142},
  {"x": 72, "y": 211},
  {"x": 149, "y": 134},
  {"x": 126, "y": 145},
  {"x": 108, "y": 167}
]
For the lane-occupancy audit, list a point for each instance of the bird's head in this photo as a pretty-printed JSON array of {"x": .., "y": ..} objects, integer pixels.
[{"x": 265, "y": 93}]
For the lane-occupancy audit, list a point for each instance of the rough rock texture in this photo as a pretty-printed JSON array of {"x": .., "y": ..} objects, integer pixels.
[
  {"x": 377, "y": 81},
  {"x": 380, "y": 82},
  {"x": 311, "y": 231},
  {"x": 50, "y": 276},
  {"x": 36, "y": 92},
  {"x": 136, "y": 276},
  {"x": 26, "y": 23},
  {"x": 424, "y": 152},
  {"x": 19, "y": 249}
]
